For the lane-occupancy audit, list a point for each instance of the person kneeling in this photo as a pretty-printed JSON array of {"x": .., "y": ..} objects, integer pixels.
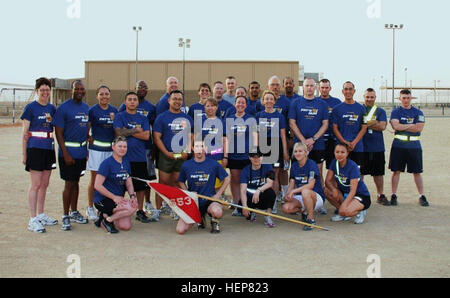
[
  {"x": 256, "y": 185},
  {"x": 305, "y": 193},
  {"x": 345, "y": 189},
  {"x": 110, "y": 184},
  {"x": 200, "y": 174}
]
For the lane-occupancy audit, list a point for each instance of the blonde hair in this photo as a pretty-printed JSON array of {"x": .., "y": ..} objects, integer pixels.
[{"x": 302, "y": 146}]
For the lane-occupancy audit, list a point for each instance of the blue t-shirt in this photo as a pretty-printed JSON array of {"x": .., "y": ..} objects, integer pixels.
[
  {"x": 349, "y": 119},
  {"x": 197, "y": 107},
  {"x": 116, "y": 175},
  {"x": 309, "y": 115},
  {"x": 40, "y": 118},
  {"x": 212, "y": 135},
  {"x": 169, "y": 125},
  {"x": 163, "y": 105},
  {"x": 223, "y": 107},
  {"x": 102, "y": 126},
  {"x": 407, "y": 116},
  {"x": 147, "y": 109},
  {"x": 230, "y": 99},
  {"x": 253, "y": 107},
  {"x": 373, "y": 140},
  {"x": 331, "y": 102},
  {"x": 282, "y": 106},
  {"x": 73, "y": 118},
  {"x": 349, "y": 172},
  {"x": 267, "y": 123},
  {"x": 136, "y": 147},
  {"x": 238, "y": 133},
  {"x": 255, "y": 179},
  {"x": 201, "y": 176},
  {"x": 291, "y": 99},
  {"x": 302, "y": 176}
]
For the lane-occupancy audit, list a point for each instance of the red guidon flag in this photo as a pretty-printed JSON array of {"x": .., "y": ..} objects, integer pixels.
[{"x": 183, "y": 203}]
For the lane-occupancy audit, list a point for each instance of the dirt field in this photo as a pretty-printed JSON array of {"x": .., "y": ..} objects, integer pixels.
[{"x": 410, "y": 240}]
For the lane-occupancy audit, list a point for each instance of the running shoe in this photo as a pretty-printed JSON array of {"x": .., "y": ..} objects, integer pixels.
[
  {"x": 165, "y": 209},
  {"x": 201, "y": 225},
  {"x": 252, "y": 216},
  {"x": 237, "y": 212},
  {"x": 109, "y": 227},
  {"x": 148, "y": 207},
  {"x": 46, "y": 221},
  {"x": 304, "y": 217},
  {"x": 66, "y": 226},
  {"x": 279, "y": 197},
  {"x": 311, "y": 222},
  {"x": 423, "y": 201},
  {"x": 215, "y": 226},
  {"x": 323, "y": 211},
  {"x": 35, "y": 225},
  {"x": 338, "y": 217},
  {"x": 359, "y": 218},
  {"x": 140, "y": 216},
  {"x": 76, "y": 216},
  {"x": 383, "y": 200},
  {"x": 91, "y": 214},
  {"x": 98, "y": 222},
  {"x": 268, "y": 222},
  {"x": 174, "y": 215},
  {"x": 394, "y": 200}
]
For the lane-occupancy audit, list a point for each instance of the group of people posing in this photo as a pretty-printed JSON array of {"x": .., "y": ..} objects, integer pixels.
[{"x": 275, "y": 146}]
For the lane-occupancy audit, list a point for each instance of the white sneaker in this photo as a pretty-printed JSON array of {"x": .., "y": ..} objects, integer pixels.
[
  {"x": 91, "y": 214},
  {"x": 46, "y": 221},
  {"x": 323, "y": 211},
  {"x": 65, "y": 225},
  {"x": 337, "y": 218},
  {"x": 359, "y": 218},
  {"x": 36, "y": 226},
  {"x": 174, "y": 216},
  {"x": 148, "y": 207},
  {"x": 268, "y": 222}
]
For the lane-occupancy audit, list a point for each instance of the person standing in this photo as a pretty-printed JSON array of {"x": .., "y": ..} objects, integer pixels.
[
  {"x": 101, "y": 120},
  {"x": 408, "y": 123},
  {"x": 136, "y": 128},
  {"x": 71, "y": 123},
  {"x": 348, "y": 123},
  {"x": 231, "y": 84},
  {"x": 329, "y": 138},
  {"x": 223, "y": 105},
  {"x": 373, "y": 162},
  {"x": 172, "y": 134},
  {"x": 163, "y": 103},
  {"x": 38, "y": 153},
  {"x": 198, "y": 109}
]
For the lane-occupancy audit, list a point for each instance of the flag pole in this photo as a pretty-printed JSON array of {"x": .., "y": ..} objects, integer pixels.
[
  {"x": 262, "y": 212},
  {"x": 249, "y": 209}
]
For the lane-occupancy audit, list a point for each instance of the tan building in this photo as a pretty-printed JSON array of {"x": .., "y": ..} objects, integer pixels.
[{"x": 120, "y": 75}]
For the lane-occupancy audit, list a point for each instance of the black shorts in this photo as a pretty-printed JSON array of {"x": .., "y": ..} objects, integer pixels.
[
  {"x": 74, "y": 172},
  {"x": 318, "y": 156},
  {"x": 204, "y": 207},
  {"x": 329, "y": 152},
  {"x": 373, "y": 164},
  {"x": 357, "y": 157},
  {"x": 402, "y": 157},
  {"x": 106, "y": 206},
  {"x": 40, "y": 160},
  {"x": 139, "y": 170},
  {"x": 234, "y": 164},
  {"x": 365, "y": 200}
]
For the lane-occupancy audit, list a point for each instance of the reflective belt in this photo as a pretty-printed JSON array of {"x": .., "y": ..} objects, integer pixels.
[
  {"x": 41, "y": 134},
  {"x": 75, "y": 144},
  {"x": 102, "y": 144},
  {"x": 338, "y": 176},
  {"x": 218, "y": 151},
  {"x": 407, "y": 138},
  {"x": 371, "y": 114}
]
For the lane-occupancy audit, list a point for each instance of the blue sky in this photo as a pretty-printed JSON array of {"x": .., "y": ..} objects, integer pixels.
[{"x": 338, "y": 38}]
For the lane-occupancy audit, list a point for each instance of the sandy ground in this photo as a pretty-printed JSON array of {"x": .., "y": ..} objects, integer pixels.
[{"x": 410, "y": 240}]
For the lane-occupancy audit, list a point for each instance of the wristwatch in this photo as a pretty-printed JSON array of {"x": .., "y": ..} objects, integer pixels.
[
  {"x": 315, "y": 139},
  {"x": 132, "y": 195}
]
